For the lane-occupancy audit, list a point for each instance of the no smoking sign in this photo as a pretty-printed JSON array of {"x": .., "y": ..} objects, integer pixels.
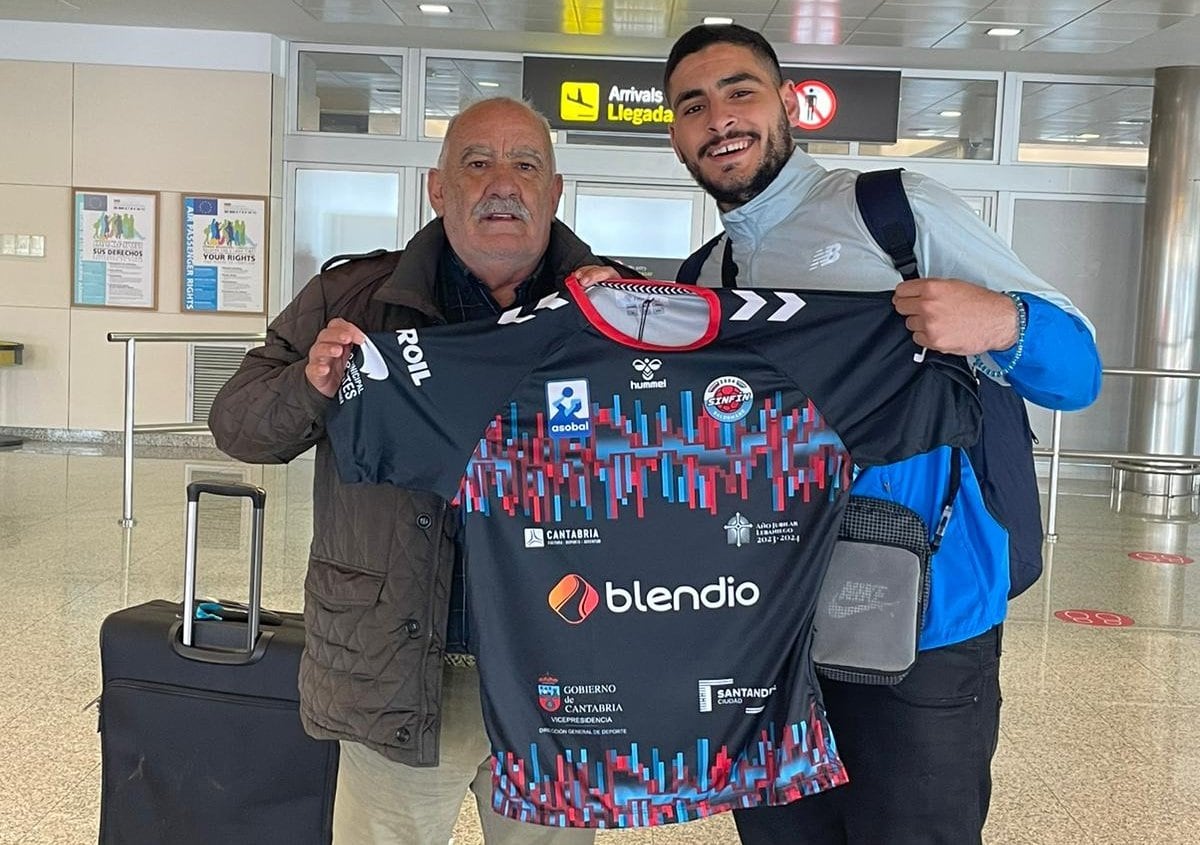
[{"x": 818, "y": 104}]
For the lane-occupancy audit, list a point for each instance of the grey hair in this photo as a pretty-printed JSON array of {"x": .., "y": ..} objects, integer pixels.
[{"x": 525, "y": 104}]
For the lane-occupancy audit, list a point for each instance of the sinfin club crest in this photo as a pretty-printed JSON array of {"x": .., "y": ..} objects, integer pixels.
[
  {"x": 549, "y": 693},
  {"x": 728, "y": 399}
]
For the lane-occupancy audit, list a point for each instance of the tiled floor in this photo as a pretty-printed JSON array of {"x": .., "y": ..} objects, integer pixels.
[{"x": 1101, "y": 731}]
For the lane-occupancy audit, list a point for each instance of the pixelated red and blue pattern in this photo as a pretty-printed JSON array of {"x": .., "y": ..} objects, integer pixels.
[
  {"x": 630, "y": 458},
  {"x": 627, "y": 791}
]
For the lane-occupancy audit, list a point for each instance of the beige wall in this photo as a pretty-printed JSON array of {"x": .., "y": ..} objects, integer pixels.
[{"x": 104, "y": 126}]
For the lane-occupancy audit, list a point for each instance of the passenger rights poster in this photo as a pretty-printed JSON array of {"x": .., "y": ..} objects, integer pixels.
[
  {"x": 116, "y": 249},
  {"x": 224, "y": 254}
]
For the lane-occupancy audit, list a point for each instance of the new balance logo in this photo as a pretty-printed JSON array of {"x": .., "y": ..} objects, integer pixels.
[{"x": 825, "y": 256}]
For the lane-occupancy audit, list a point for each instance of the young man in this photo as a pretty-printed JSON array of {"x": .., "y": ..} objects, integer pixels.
[
  {"x": 918, "y": 753},
  {"x": 387, "y": 668}
]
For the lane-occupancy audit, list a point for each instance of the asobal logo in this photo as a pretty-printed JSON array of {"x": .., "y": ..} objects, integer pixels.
[{"x": 574, "y": 599}]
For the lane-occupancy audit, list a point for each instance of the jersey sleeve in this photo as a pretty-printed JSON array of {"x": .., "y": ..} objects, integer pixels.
[
  {"x": 414, "y": 402},
  {"x": 851, "y": 354}
]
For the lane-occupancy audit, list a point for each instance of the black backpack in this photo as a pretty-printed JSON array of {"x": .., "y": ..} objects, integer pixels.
[{"x": 1003, "y": 456}]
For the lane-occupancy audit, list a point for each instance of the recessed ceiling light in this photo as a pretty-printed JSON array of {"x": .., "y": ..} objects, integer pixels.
[
  {"x": 717, "y": 20},
  {"x": 950, "y": 113},
  {"x": 434, "y": 8},
  {"x": 485, "y": 84},
  {"x": 1004, "y": 31},
  {"x": 1132, "y": 122},
  {"x": 1130, "y": 143},
  {"x": 1089, "y": 136}
]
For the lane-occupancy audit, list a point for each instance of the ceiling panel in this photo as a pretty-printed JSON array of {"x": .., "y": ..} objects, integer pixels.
[
  {"x": 1162, "y": 7},
  {"x": 1088, "y": 36},
  {"x": 1055, "y": 44},
  {"x": 973, "y": 36},
  {"x": 815, "y": 32},
  {"x": 349, "y": 11},
  {"x": 879, "y": 39}
]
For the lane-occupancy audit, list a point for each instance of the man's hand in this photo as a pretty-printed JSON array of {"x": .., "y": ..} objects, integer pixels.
[
  {"x": 590, "y": 274},
  {"x": 329, "y": 353},
  {"x": 956, "y": 317}
]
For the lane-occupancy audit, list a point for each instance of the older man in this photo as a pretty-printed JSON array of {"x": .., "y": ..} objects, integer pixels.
[{"x": 387, "y": 668}]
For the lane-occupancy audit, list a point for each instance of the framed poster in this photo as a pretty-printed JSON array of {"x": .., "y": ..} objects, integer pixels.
[
  {"x": 115, "y": 238},
  {"x": 224, "y": 254}
]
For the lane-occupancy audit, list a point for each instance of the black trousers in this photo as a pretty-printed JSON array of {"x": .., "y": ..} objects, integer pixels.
[{"x": 918, "y": 754}]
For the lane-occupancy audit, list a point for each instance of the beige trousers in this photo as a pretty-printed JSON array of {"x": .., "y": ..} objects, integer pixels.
[{"x": 381, "y": 802}]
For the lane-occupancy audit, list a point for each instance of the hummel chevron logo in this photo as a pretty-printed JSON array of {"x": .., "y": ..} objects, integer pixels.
[
  {"x": 513, "y": 315},
  {"x": 755, "y": 303}
]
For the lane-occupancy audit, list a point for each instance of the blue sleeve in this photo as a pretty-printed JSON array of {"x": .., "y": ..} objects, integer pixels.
[{"x": 1059, "y": 367}]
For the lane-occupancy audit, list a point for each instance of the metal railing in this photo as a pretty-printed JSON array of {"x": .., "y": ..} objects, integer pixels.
[
  {"x": 1056, "y": 453},
  {"x": 131, "y": 339}
]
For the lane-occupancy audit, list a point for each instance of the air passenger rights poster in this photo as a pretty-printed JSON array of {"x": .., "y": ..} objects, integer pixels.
[
  {"x": 224, "y": 254},
  {"x": 116, "y": 248}
]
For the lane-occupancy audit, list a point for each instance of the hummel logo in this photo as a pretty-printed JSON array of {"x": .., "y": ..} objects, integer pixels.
[
  {"x": 825, "y": 256},
  {"x": 647, "y": 367}
]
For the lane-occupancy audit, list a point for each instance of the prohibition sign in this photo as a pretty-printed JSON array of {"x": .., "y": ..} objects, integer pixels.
[{"x": 818, "y": 104}]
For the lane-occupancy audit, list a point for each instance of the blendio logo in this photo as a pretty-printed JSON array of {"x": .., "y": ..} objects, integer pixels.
[
  {"x": 418, "y": 370},
  {"x": 722, "y": 593}
]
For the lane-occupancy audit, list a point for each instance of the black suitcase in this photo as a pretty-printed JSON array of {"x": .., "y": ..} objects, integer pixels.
[{"x": 200, "y": 732}]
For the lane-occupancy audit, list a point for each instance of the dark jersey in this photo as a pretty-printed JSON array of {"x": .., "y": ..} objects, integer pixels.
[{"x": 653, "y": 480}]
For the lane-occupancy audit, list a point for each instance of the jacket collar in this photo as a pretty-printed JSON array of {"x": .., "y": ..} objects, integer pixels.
[
  {"x": 413, "y": 282},
  {"x": 747, "y": 224}
]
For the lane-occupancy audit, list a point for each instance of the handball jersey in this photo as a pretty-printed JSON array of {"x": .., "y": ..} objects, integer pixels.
[{"x": 652, "y": 477}]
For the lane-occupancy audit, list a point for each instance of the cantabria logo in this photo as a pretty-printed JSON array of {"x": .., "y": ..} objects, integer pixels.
[{"x": 574, "y": 599}]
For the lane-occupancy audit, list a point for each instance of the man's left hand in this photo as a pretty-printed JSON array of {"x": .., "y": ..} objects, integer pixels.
[{"x": 956, "y": 317}]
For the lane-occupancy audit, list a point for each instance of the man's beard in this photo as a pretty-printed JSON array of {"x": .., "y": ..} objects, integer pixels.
[{"x": 776, "y": 152}]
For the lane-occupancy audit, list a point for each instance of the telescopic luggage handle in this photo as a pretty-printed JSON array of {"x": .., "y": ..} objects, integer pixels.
[{"x": 258, "y": 498}]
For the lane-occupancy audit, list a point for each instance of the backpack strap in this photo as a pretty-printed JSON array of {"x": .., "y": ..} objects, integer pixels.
[
  {"x": 885, "y": 209},
  {"x": 689, "y": 271}
]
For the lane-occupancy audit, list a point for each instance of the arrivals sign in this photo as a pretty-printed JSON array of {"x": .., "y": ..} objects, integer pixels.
[{"x": 611, "y": 95}]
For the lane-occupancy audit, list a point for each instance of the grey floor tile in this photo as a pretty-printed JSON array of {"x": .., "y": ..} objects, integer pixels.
[{"x": 1101, "y": 729}]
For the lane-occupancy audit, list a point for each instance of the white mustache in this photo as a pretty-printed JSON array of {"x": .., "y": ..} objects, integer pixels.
[{"x": 498, "y": 205}]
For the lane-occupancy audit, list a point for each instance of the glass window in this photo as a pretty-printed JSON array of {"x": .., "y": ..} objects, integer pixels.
[
  {"x": 353, "y": 93},
  {"x": 1085, "y": 123},
  {"x": 943, "y": 118},
  {"x": 342, "y": 211},
  {"x": 651, "y": 233},
  {"x": 453, "y": 84}
]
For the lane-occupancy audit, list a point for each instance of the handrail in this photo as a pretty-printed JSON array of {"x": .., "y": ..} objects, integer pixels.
[
  {"x": 1056, "y": 453},
  {"x": 131, "y": 339}
]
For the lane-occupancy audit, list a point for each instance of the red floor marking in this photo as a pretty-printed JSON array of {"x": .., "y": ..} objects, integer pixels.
[
  {"x": 1160, "y": 557},
  {"x": 1098, "y": 618}
]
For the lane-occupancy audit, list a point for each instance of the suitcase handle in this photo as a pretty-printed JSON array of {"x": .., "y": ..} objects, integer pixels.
[
  {"x": 258, "y": 498},
  {"x": 224, "y": 488}
]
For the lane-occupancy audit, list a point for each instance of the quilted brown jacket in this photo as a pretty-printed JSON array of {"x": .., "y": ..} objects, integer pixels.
[{"x": 377, "y": 592}]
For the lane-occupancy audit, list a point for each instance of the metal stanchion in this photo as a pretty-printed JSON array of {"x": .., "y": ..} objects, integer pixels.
[
  {"x": 127, "y": 520},
  {"x": 1055, "y": 461}
]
